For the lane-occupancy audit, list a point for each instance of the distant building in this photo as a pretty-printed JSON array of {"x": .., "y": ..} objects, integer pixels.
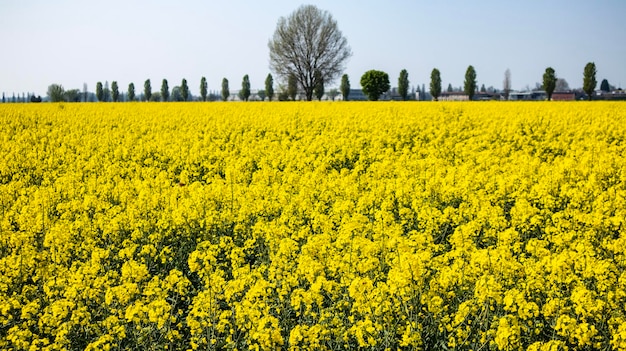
[
  {"x": 528, "y": 95},
  {"x": 453, "y": 96},
  {"x": 563, "y": 96}
]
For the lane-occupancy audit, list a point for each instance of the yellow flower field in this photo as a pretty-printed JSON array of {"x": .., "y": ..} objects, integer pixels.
[{"x": 313, "y": 226}]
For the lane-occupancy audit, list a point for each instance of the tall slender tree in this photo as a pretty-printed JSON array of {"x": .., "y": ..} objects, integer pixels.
[
  {"x": 403, "y": 84},
  {"x": 469, "y": 86},
  {"x": 107, "y": 91},
  {"x": 435, "y": 84},
  {"x": 165, "y": 91},
  {"x": 131, "y": 92},
  {"x": 589, "y": 79},
  {"x": 184, "y": 90},
  {"x": 549, "y": 82},
  {"x": 99, "y": 92},
  {"x": 506, "y": 84},
  {"x": 225, "y": 89},
  {"x": 147, "y": 90},
  {"x": 115, "y": 91},
  {"x": 345, "y": 87},
  {"x": 269, "y": 86},
  {"x": 85, "y": 98},
  {"x": 244, "y": 93},
  {"x": 203, "y": 88}
]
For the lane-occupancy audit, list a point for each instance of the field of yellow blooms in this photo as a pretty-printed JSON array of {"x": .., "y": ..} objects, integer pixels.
[{"x": 313, "y": 226}]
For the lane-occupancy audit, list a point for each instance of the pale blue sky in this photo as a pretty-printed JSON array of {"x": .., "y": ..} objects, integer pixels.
[{"x": 73, "y": 42}]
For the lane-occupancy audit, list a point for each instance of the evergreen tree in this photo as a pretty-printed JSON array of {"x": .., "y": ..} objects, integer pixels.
[
  {"x": 269, "y": 86},
  {"x": 345, "y": 87}
]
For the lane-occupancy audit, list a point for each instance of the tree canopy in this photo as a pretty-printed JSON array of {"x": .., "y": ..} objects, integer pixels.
[
  {"x": 374, "y": 83},
  {"x": 605, "y": 86},
  {"x": 56, "y": 93},
  {"x": 306, "y": 41}
]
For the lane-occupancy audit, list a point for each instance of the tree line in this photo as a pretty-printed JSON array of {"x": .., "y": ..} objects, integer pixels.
[{"x": 374, "y": 84}]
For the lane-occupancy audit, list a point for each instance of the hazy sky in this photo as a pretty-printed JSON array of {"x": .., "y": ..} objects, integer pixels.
[{"x": 73, "y": 42}]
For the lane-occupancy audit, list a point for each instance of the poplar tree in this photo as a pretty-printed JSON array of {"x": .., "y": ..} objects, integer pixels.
[
  {"x": 435, "y": 84},
  {"x": 184, "y": 90},
  {"x": 549, "y": 82},
  {"x": 589, "y": 79},
  {"x": 165, "y": 91},
  {"x": 469, "y": 85},
  {"x": 244, "y": 94},
  {"x": 147, "y": 90},
  {"x": 99, "y": 91},
  {"x": 403, "y": 84},
  {"x": 225, "y": 89},
  {"x": 131, "y": 92},
  {"x": 345, "y": 87},
  {"x": 203, "y": 88},
  {"x": 269, "y": 86},
  {"x": 115, "y": 92}
]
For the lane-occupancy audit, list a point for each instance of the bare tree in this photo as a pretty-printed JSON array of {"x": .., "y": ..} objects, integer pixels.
[
  {"x": 561, "y": 85},
  {"x": 305, "y": 42},
  {"x": 506, "y": 85}
]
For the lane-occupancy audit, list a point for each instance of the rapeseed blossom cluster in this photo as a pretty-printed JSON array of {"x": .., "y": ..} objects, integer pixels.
[{"x": 313, "y": 226}]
